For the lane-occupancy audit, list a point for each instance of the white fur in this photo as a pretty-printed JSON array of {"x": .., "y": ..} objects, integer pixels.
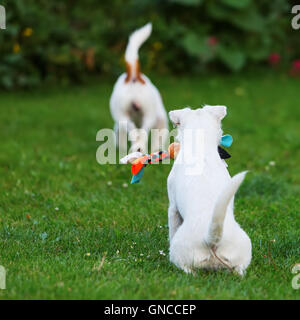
[
  {"x": 131, "y": 157},
  {"x": 136, "y": 39},
  {"x": 146, "y": 96},
  {"x": 202, "y": 230}
]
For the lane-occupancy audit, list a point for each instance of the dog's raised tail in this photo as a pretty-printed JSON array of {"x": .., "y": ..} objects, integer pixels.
[
  {"x": 136, "y": 39},
  {"x": 216, "y": 226}
]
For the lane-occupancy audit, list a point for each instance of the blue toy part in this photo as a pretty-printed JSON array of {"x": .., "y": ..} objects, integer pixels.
[
  {"x": 137, "y": 177},
  {"x": 226, "y": 141}
]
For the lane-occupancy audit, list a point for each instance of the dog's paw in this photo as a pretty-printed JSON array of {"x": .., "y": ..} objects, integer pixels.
[
  {"x": 239, "y": 271},
  {"x": 188, "y": 270}
]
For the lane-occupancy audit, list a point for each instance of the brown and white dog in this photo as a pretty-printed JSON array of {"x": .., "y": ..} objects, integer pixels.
[{"x": 135, "y": 102}]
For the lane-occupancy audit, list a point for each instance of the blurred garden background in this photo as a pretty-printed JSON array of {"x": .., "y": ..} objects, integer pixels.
[
  {"x": 73, "y": 229},
  {"x": 68, "y": 41}
]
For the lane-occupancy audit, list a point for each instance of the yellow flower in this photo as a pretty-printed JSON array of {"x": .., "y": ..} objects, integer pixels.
[
  {"x": 27, "y": 32},
  {"x": 16, "y": 47},
  {"x": 157, "y": 45}
]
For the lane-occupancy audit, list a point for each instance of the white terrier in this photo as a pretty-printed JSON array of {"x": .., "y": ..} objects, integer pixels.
[
  {"x": 136, "y": 102},
  {"x": 202, "y": 230}
]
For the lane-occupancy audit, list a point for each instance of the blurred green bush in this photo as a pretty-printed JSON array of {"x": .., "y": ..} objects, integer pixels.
[{"x": 63, "y": 41}]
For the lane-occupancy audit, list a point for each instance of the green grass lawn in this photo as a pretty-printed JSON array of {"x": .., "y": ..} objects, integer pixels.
[{"x": 69, "y": 228}]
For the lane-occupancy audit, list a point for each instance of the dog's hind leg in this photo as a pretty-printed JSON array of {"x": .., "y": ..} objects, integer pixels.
[
  {"x": 121, "y": 129},
  {"x": 159, "y": 136},
  {"x": 175, "y": 221},
  {"x": 141, "y": 143},
  {"x": 116, "y": 130}
]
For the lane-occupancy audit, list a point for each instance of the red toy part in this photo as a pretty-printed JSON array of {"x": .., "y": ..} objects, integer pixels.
[{"x": 138, "y": 164}]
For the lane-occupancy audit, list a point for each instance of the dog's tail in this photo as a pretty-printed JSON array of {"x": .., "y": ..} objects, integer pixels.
[
  {"x": 136, "y": 39},
  {"x": 216, "y": 227}
]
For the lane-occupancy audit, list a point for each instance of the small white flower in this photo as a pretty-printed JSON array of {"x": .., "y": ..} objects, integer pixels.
[
  {"x": 109, "y": 183},
  {"x": 160, "y": 227},
  {"x": 87, "y": 254},
  {"x": 117, "y": 252},
  {"x": 272, "y": 163},
  {"x": 56, "y": 208},
  {"x": 141, "y": 254},
  {"x": 162, "y": 252},
  {"x": 125, "y": 185}
]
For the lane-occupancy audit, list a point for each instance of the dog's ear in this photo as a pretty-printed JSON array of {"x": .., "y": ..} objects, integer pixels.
[
  {"x": 176, "y": 116},
  {"x": 218, "y": 111}
]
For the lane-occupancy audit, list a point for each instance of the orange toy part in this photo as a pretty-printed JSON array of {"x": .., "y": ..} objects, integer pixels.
[
  {"x": 138, "y": 164},
  {"x": 174, "y": 149}
]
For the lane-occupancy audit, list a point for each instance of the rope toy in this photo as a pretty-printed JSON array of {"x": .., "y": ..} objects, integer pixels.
[{"x": 139, "y": 164}]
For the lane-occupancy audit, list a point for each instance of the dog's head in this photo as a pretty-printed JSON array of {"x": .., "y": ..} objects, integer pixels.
[{"x": 207, "y": 118}]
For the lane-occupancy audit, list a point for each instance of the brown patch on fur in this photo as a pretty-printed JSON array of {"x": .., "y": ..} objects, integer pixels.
[
  {"x": 129, "y": 72},
  {"x": 138, "y": 73},
  {"x": 138, "y": 76}
]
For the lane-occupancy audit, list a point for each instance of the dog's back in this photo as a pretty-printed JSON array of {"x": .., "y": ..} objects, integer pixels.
[
  {"x": 135, "y": 100},
  {"x": 203, "y": 198}
]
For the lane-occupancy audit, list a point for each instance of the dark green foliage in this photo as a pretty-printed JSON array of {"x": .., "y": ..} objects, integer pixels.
[{"x": 62, "y": 41}]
